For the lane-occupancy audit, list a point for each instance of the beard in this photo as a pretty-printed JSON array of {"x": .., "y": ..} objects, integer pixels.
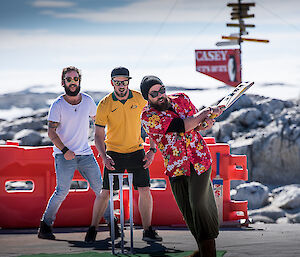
[
  {"x": 71, "y": 93},
  {"x": 122, "y": 93},
  {"x": 165, "y": 105}
]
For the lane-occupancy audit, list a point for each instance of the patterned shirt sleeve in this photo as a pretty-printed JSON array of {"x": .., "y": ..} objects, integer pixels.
[
  {"x": 156, "y": 124},
  {"x": 190, "y": 106}
]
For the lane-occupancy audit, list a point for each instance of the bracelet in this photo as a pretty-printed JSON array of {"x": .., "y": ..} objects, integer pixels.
[
  {"x": 154, "y": 150},
  {"x": 64, "y": 150}
]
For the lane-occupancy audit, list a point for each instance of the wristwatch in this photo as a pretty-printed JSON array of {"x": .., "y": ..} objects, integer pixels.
[{"x": 154, "y": 150}]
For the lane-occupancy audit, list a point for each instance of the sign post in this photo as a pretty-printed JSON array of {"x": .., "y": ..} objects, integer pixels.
[{"x": 240, "y": 12}]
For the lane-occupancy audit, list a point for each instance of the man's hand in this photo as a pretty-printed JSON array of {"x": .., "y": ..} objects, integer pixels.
[
  {"x": 108, "y": 162},
  {"x": 215, "y": 111},
  {"x": 207, "y": 124},
  {"x": 148, "y": 159},
  {"x": 69, "y": 155}
]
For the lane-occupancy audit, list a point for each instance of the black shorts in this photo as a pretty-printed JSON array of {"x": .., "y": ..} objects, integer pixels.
[{"x": 132, "y": 163}]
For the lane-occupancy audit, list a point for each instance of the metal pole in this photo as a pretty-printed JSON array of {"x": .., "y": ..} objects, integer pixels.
[
  {"x": 130, "y": 212},
  {"x": 121, "y": 210},
  {"x": 130, "y": 180},
  {"x": 112, "y": 222},
  {"x": 240, "y": 37}
]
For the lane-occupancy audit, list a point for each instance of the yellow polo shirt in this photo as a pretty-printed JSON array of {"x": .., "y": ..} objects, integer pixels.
[{"x": 122, "y": 121}]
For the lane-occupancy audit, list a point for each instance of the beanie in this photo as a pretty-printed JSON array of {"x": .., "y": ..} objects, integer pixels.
[{"x": 148, "y": 82}]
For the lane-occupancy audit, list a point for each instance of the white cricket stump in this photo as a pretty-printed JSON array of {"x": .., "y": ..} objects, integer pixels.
[
  {"x": 218, "y": 189},
  {"x": 130, "y": 178}
]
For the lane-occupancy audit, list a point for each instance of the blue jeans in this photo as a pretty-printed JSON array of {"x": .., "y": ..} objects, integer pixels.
[{"x": 64, "y": 169}]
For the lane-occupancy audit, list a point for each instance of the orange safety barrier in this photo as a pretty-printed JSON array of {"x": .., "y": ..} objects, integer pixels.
[
  {"x": 231, "y": 167},
  {"x": 21, "y": 209},
  {"x": 165, "y": 209}
]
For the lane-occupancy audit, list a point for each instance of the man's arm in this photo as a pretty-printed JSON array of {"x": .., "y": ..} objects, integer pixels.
[
  {"x": 201, "y": 116},
  {"x": 100, "y": 145},
  {"x": 55, "y": 139},
  {"x": 152, "y": 143},
  {"x": 148, "y": 159}
]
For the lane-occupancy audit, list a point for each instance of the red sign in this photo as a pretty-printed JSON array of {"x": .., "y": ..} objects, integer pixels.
[{"x": 221, "y": 64}]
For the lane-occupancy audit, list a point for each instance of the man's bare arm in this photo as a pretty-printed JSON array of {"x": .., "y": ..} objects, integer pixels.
[
  {"x": 149, "y": 156},
  {"x": 99, "y": 140},
  {"x": 52, "y": 126},
  {"x": 201, "y": 116},
  {"x": 100, "y": 145}
]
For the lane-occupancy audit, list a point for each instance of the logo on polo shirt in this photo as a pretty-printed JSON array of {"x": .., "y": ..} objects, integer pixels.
[{"x": 133, "y": 106}]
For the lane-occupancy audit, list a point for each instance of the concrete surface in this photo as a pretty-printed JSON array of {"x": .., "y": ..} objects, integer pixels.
[{"x": 264, "y": 240}]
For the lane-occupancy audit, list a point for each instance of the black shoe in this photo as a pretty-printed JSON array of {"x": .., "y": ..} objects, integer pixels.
[
  {"x": 91, "y": 234},
  {"x": 150, "y": 235},
  {"x": 116, "y": 227},
  {"x": 45, "y": 231}
]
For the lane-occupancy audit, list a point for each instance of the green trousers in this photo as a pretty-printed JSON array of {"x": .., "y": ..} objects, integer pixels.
[{"x": 195, "y": 199}]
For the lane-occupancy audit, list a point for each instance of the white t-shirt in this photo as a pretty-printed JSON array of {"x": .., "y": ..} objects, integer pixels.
[{"x": 73, "y": 128}]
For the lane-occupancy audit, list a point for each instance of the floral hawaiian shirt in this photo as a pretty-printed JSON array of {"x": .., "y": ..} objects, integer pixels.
[{"x": 178, "y": 149}]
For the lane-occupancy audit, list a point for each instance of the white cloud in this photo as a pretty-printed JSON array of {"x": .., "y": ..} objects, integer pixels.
[
  {"x": 183, "y": 11},
  {"x": 128, "y": 45},
  {"x": 52, "y": 4},
  {"x": 149, "y": 11}
]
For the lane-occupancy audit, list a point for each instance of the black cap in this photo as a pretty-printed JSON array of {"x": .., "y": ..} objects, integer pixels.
[
  {"x": 120, "y": 72},
  {"x": 147, "y": 83}
]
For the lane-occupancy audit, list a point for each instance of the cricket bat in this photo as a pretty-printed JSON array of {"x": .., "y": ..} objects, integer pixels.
[
  {"x": 240, "y": 89},
  {"x": 218, "y": 189},
  {"x": 231, "y": 98}
]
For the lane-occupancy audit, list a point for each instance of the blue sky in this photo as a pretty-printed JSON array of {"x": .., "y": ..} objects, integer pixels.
[{"x": 38, "y": 38}]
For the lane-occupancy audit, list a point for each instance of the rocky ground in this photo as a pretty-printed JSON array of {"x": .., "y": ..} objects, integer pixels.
[
  {"x": 31, "y": 130},
  {"x": 266, "y": 130}
]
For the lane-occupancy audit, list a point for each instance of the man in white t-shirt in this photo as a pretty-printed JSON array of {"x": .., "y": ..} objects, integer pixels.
[{"x": 68, "y": 126}]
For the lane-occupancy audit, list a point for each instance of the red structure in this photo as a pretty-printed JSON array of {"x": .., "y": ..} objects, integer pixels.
[{"x": 23, "y": 208}]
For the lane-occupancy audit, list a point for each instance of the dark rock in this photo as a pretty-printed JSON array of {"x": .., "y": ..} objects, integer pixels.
[
  {"x": 255, "y": 193},
  {"x": 263, "y": 219},
  {"x": 268, "y": 211},
  {"x": 268, "y": 132},
  {"x": 287, "y": 197},
  {"x": 28, "y": 137},
  {"x": 6, "y": 135}
]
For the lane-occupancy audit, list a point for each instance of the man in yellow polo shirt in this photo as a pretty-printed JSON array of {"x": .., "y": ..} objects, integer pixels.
[{"x": 121, "y": 147}]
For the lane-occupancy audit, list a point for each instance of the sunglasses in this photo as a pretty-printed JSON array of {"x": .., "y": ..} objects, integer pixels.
[
  {"x": 69, "y": 79},
  {"x": 161, "y": 91},
  {"x": 119, "y": 83}
]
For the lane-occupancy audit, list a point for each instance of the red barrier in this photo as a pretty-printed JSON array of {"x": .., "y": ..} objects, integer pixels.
[
  {"x": 165, "y": 209},
  {"x": 232, "y": 167},
  {"x": 21, "y": 209}
]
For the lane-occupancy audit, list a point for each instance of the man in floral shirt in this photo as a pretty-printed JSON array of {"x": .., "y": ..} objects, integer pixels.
[{"x": 173, "y": 122}]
